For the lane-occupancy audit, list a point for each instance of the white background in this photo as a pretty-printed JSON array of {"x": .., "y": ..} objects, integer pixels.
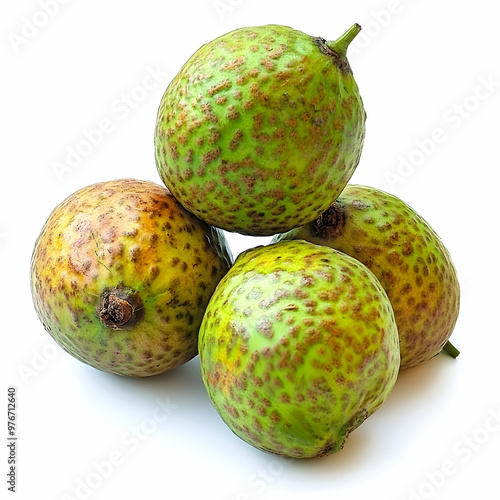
[{"x": 429, "y": 76}]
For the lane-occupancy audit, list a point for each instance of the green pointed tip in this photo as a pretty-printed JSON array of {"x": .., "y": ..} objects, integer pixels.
[
  {"x": 450, "y": 349},
  {"x": 340, "y": 45}
]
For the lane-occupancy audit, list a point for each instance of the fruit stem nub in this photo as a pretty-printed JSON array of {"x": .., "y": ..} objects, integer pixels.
[
  {"x": 120, "y": 308},
  {"x": 340, "y": 45},
  {"x": 450, "y": 349}
]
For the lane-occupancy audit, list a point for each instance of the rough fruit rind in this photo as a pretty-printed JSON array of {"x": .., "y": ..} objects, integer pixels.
[
  {"x": 298, "y": 347},
  {"x": 121, "y": 274},
  {"x": 407, "y": 256},
  {"x": 260, "y": 130}
]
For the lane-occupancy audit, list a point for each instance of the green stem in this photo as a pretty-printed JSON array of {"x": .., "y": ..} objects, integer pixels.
[
  {"x": 450, "y": 349},
  {"x": 340, "y": 45}
]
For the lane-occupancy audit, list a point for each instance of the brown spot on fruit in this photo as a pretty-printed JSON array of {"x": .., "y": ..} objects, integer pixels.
[
  {"x": 267, "y": 63},
  {"x": 210, "y": 156},
  {"x": 221, "y": 100},
  {"x": 236, "y": 140},
  {"x": 234, "y": 64},
  {"x": 207, "y": 110},
  {"x": 173, "y": 151},
  {"x": 134, "y": 253},
  {"x": 233, "y": 113},
  {"x": 214, "y": 89},
  {"x": 264, "y": 326},
  {"x": 407, "y": 248}
]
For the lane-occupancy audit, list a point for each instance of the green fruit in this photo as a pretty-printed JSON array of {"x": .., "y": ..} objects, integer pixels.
[
  {"x": 261, "y": 129},
  {"x": 121, "y": 275},
  {"x": 298, "y": 347},
  {"x": 405, "y": 254}
]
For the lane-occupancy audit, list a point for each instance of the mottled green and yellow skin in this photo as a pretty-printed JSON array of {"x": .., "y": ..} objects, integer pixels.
[
  {"x": 407, "y": 256},
  {"x": 261, "y": 129},
  {"x": 121, "y": 275},
  {"x": 298, "y": 347}
]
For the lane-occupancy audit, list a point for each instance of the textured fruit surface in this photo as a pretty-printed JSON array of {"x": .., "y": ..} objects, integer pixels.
[
  {"x": 298, "y": 347},
  {"x": 261, "y": 129},
  {"x": 121, "y": 275},
  {"x": 405, "y": 254}
]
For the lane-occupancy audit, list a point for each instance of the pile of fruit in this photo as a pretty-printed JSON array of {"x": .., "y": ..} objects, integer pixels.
[{"x": 299, "y": 340}]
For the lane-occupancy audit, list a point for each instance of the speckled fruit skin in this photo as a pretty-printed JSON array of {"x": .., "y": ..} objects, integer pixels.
[
  {"x": 130, "y": 239},
  {"x": 406, "y": 255},
  {"x": 298, "y": 347},
  {"x": 260, "y": 130}
]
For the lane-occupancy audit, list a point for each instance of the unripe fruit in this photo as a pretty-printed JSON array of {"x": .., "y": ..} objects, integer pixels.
[
  {"x": 121, "y": 275},
  {"x": 407, "y": 256},
  {"x": 261, "y": 129},
  {"x": 298, "y": 347}
]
